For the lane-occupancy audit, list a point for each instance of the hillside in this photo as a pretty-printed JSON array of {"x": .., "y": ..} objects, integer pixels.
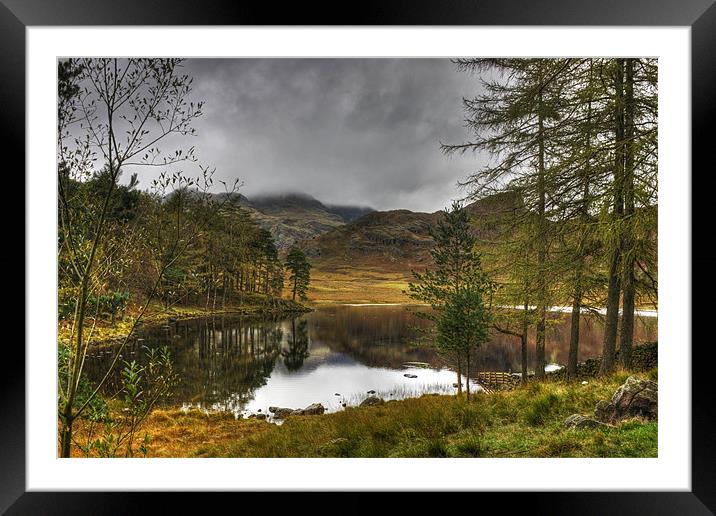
[
  {"x": 293, "y": 217},
  {"x": 385, "y": 239},
  {"x": 371, "y": 259}
]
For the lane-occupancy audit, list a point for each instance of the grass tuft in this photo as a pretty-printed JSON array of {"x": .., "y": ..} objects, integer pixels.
[{"x": 525, "y": 422}]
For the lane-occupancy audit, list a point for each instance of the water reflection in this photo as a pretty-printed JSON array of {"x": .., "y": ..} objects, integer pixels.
[{"x": 333, "y": 356}]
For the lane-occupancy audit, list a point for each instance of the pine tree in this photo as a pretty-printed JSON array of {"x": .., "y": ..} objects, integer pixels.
[
  {"x": 299, "y": 272},
  {"x": 463, "y": 323},
  {"x": 456, "y": 264}
]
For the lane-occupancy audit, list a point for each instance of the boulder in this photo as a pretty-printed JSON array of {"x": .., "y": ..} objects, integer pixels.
[
  {"x": 408, "y": 375},
  {"x": 280, "y": 412},
  {"x": 636, "y": 398},
  {"x": 315, "y": 409},
  {"x": 579, "y": 421},
  {"x": 370, "y": 401},
  {"x": 260, "y": 416},
  {"x": 605, "y": 412}
]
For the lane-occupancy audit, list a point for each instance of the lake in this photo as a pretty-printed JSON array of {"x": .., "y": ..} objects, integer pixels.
[{"x": 333, "y": 356}]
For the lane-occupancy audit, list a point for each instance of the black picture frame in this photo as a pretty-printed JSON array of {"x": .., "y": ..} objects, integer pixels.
[{"x": 700, "y": 15}]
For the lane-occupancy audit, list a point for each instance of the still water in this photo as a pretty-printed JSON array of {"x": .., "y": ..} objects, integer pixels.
[{"x": 333, "y": 356}]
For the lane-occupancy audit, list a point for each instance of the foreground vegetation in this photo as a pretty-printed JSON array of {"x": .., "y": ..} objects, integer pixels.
[{"x": 525, "y": 422}]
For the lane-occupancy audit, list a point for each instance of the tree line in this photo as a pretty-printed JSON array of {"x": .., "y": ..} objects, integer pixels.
[
  {"x": 572, "y": 147},
  {"x": 175, "y": 241}
]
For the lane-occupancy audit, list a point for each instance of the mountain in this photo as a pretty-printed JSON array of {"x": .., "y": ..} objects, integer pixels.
[
  {"x": 292, "y": 217},
  {"x": 400, "y": 238},
  {"x": 370, "y": 259},
  {"x": 381, "y": 239}
]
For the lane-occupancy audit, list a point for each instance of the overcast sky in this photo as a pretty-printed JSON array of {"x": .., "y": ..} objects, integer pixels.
[{"x": 346, "y": 131}]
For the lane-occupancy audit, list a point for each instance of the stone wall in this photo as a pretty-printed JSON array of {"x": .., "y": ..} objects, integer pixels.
[{"x": 644, "y": 357}]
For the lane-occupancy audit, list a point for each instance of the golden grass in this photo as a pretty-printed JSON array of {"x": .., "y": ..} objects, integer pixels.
[
  {"x": 357, "y": 285},
  {"x": 525, "y": 422},
  {"x": 179, "y": 433}
]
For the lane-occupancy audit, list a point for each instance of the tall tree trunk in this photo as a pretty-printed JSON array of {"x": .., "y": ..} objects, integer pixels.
[
  {"x": 573, "y": 357},
  {"x": 208, "y": 289},
  {"x": 523, "y": 340},
  {"x": 612, "y": 317},
  {"x": 223, "y": 294},
  {"x": 459, "y": 376},
  {"x": 574, "y": 328},
  {"x": 626, "y": 337},
  {"x": 75, "y": 362},
  {"x": 467, "y": 375},
  {"x": 541, "y": 248}
]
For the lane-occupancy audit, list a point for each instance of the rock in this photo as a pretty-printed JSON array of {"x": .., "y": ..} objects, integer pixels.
[
  {"x": 337, "y": 394},
  {"x": 585, "y": 382},
  {"x": 260, "y": 416},
  {"x": 343, "y": 405},
  {"x": 605, "y": 412},
  {"x": 408, "y": 375},
  {"x": 315, "y": 409},
  {"x": 280, "y": 412},
  {"x": 636, "y": 398},
  {"x": 370, "y": 401},
  {"x": 371, "y": 392},
  {"x": 580, "y": 421}
]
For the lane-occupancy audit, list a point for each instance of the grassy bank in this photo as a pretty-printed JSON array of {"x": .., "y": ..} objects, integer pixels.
[
  {"x": 254, "y": 305},
  {"x": 526, "y": 422},
  {"x": 344, "y": 284}
]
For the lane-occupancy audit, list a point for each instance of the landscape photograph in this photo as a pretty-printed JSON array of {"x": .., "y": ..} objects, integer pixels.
[{"x": 357, "y": 257}]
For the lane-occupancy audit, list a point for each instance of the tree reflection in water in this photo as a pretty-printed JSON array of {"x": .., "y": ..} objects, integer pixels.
[
  {"x": 229, "y": 363},
  {"x": 297, "y": 351}
]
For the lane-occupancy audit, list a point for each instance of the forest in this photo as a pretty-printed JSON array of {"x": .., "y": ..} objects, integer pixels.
[{"x": 558, "y": 229}]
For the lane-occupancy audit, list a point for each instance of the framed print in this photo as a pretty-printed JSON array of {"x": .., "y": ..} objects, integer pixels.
[{"x": 413, "y": 250}]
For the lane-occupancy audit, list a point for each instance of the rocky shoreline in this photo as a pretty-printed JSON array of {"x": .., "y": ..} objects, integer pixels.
[{"x": 645, "y": 358}]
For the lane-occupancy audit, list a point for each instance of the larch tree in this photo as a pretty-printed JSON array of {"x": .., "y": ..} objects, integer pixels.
[{"x": 515, "y": 120}]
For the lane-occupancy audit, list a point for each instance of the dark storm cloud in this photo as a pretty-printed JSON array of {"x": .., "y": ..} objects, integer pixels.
[{"x": 346, "y": 131}]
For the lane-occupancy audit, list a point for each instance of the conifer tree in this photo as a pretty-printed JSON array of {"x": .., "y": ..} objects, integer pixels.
[
  {"x": 299, "y": 272},
  {"x": 456, "y": 264}
]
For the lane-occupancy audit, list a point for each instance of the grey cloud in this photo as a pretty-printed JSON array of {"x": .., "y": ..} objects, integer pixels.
[{"x": 359, "y": 131}]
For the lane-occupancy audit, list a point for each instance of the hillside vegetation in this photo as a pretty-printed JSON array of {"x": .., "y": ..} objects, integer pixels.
[
  {"x": 294, "y": 217},
  {"x": 370, "y": 259}
]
